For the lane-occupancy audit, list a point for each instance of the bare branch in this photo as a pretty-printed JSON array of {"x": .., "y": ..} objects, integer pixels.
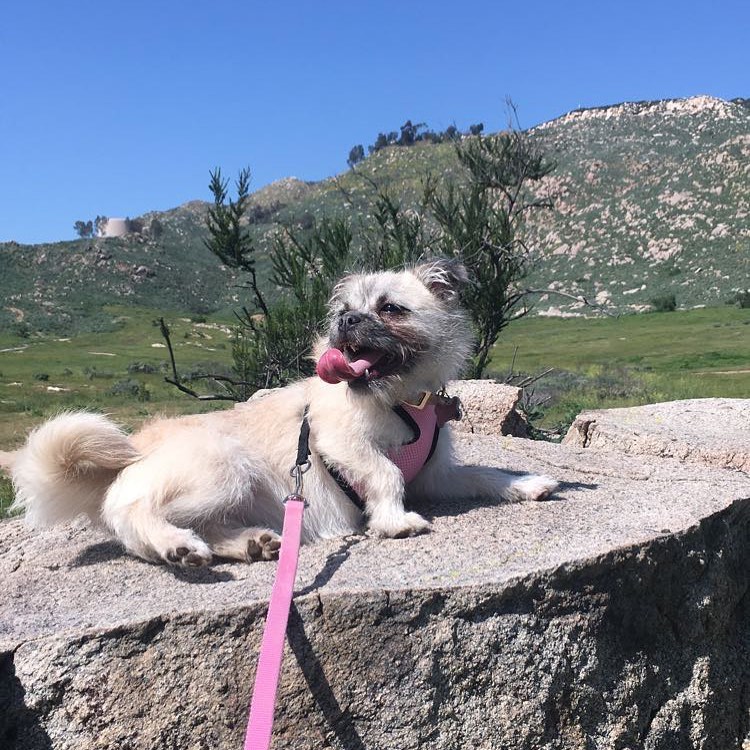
[
  {"x": 165, "y": 333},
  {"x": 199, "y": 396}
]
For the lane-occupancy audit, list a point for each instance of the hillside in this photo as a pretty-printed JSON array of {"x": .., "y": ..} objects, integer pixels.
[{"x": 650, "y": 198}]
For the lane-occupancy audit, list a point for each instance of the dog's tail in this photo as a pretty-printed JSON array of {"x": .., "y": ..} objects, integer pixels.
[{"x": 67, "y": 465}]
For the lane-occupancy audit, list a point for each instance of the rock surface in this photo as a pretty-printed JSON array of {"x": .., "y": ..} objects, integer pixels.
[
  {"x": 614, "y": 616},
  {"x": 489, "y": 408},
  {"x": 712, "y": 431}
]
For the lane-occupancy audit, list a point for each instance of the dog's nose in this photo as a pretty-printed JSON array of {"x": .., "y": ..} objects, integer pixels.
[{"x": 349, "y": 320}]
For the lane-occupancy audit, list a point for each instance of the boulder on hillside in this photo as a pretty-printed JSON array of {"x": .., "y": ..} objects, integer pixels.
[{"x": 713, "y": 431}]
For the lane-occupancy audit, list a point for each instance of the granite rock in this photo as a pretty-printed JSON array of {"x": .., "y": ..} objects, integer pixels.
[
  {"x": 616, "y": 615},
  {"x": 713, "y": 431}
]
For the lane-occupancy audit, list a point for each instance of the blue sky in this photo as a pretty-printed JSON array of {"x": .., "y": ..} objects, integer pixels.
[{"x": 118, "y": 108}]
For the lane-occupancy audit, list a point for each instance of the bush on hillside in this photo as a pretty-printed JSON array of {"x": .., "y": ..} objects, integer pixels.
[{"x": 664, "y": 303}]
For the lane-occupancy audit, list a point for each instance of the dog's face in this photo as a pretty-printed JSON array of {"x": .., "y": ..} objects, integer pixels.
[{"x": 398, "y": 332}]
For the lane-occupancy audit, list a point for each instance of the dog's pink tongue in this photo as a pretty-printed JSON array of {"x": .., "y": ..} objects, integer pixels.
[{"x": 333, "y": 367}]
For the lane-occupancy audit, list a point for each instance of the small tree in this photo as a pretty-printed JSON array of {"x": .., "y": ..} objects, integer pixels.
[
  {"x": 100, "y": 225},
  {"x": 664, "y": 303},
  {"x": 356, "y": 155},
  {"x": 380, "y": 142},
  {"x": 410, "y": 133},
  {"x": 483, "y": 225},
  {"x": 84, "y": 229},
  {"x": 228, "y": 239},
  {"x": 451, "y": 133}
]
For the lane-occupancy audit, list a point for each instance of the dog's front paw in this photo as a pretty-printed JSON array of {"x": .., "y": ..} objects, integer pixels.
[
  {"x": 399, "y": 526},
  {"x": 534, "y": 487}
]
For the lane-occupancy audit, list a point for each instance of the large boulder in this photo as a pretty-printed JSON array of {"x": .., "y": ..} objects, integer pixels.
[
  {"x": 616, "y": 615},
  {"x": 713, "y": 431}
]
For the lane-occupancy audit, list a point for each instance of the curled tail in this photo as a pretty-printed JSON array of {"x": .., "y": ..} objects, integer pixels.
[{"x": 67, "y": 465}]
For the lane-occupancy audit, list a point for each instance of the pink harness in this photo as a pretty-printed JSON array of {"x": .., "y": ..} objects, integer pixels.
[{"x": 411, "y": 457}]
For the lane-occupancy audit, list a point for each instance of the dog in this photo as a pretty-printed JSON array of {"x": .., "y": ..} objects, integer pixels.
[{"x": 185, "y": 490}]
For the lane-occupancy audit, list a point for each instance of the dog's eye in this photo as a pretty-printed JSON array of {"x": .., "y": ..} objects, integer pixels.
[{"x": 390, "y": 309}]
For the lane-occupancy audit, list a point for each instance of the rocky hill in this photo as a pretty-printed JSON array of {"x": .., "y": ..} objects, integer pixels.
[{"x": 650, "y": 198}]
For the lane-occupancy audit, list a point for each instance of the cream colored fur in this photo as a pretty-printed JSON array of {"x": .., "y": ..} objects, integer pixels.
[{"x": 183, "y": 490}]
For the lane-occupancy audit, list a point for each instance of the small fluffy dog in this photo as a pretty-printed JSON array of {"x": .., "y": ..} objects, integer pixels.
[{"x": 183, "y": 490}]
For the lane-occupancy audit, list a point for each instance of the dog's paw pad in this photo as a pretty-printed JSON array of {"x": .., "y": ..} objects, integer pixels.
[
  {"x": 264, "y": 547},
  {"x": 188, "y": 557}
]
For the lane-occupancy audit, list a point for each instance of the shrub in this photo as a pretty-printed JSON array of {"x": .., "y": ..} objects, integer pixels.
[
  {"x": 130, "y": 388},
  {"x": 21, "y": 329},
  {"x": 664, "y": 303},
  {"x": 92, "y": 372},
  {"x": 142, "y": 367}
]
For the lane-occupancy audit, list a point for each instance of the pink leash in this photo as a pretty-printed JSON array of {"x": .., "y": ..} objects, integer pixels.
[{"x": 260, "y": 722}]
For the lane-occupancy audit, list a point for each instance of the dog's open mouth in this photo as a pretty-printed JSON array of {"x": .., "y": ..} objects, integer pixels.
[{"x": 350, "y": 364}]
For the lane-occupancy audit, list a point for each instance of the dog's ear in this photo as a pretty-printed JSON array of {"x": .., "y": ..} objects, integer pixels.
[{"x": 443, "y": 277}]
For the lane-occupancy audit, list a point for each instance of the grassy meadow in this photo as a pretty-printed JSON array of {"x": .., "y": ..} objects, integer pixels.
[
  {"x": 630, "y": 360},
  {"x": 598, "y": 362}
]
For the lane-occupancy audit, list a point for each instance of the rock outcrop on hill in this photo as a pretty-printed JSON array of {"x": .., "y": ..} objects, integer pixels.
[{"x": 616, "y": 615}]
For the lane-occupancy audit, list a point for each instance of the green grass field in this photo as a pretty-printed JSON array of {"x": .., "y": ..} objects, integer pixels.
[
  {"x": 120, "y": 372},
  {"x": 598, "y": 363},
  {"x": 634, "y": 359}
]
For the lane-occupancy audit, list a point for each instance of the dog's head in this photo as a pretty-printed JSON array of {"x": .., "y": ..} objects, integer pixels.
[{"x": 397, "y": 333}]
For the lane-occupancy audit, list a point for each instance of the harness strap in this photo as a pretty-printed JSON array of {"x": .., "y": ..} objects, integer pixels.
[{"x": 338, "y": 477}]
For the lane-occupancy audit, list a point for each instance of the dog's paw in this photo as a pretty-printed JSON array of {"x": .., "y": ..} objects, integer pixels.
[
  {"x": 264, "y": 546},
  {"x": 399, "y": 526},
  {"x": 534, "y": 487},
  {"x": 190, "y": 552}
]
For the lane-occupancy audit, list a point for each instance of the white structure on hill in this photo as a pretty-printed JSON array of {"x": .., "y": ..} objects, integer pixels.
[{"x": 114, "y": 228}]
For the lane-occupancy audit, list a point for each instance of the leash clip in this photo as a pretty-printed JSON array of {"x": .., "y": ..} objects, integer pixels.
[{"x": 297, "y": 472}]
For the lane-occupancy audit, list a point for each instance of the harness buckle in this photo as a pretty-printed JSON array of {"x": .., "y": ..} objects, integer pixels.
[{"x": 426, "y": 396}]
